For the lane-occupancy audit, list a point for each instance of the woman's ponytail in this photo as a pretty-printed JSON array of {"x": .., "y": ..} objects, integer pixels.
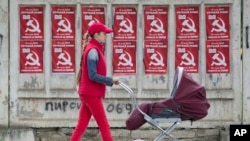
[{"x": 86, "y": 37}]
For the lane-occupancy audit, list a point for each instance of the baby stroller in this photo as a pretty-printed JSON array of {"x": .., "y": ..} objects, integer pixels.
[{"x": 187, "y": 102}]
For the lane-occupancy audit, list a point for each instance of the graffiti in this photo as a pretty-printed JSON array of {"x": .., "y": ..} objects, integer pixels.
[
  {"x": 22, "y": 112},
  {"x": 61, "y": 106},
  {"x": 216, "y": 78},
  {"x": 33, "y": 84},
  {"x": 162, "y": 79},
  {"x": 119, "y": 108},
  {"x": 66, "y": 105},
  {"x": 158, "y": 80}
]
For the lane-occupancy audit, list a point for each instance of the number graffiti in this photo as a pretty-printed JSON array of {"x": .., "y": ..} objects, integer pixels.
[{"x": 119, "y": 108}]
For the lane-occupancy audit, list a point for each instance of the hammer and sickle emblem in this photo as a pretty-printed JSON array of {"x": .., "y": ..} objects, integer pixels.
[
  {"x": 127, "y": 28},
  {"x": 93, "y": 21},
  {"x": 158, "y": 27},
  {"x": 219, "y": 61},
  {"x": 190, "y": 27},
  {"x": 34, "y": 27},
  {"x": 65, "y": 60},
  {"x": 33, "y": 60},
  {"x": 66, "y": 27},
  {"x": 188, "y": 60},
  {"x": 124, "y": 61},
  {"x": 157, "y": 61},
  {"x": 219, "y": 27}
]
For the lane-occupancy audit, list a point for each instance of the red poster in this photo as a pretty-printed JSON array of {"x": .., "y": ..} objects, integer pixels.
[
  {"x": 91, "y": 15},
  {"x": 217, "y": 55},
  {"x": 31, "y": 56},
  {"x": 186, "y": 55},
  {"x": 155, "y": 57},
  {"x": 63, "y": 56},
  {"x": 63, "y": 22},
  {"x": 31, "y": 22},
  {"x": 217, "y": 22},
  {"x": 124, "y": 57},
  {"x": 155, "y": 22},
  {"x": 187, "y": 22},
  {"x": 125, "y": 23}
]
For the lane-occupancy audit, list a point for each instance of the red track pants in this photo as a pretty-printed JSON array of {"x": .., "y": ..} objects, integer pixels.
[{"x": 91, "y": 106}]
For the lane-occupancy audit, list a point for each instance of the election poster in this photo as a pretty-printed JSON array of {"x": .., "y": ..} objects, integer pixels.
[
  {"x": 187, "y": 22},
  {"x": 187, "y": 55},
  {"x": 217, "y": 22},
  {"x": 63, "y": 56},
  {"x": 155, "y": 23},
  {"x": 31, "y": 56},
  {"x": 217, "y": 56},
  {"x": 124, "y": 57},
  {"x": 91, "y": 15},
  {"x": 63, "y": 22},
  {"x": 155, "y": 57},
  {"x": 31, "y": 22},
  {"x": 125, "y": 23}
]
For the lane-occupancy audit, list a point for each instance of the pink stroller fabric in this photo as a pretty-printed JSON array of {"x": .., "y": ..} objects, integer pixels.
[{"x": 188, "y": 101}]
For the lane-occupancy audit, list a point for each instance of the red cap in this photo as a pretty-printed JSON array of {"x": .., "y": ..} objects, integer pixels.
[{"x": 98, "y": 27}]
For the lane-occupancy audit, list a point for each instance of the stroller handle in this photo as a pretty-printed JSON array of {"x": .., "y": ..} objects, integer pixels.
[{"x": 132, "y": 96}]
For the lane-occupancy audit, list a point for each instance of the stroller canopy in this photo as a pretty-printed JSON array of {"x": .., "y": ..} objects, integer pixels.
[{"x": 189, "y": 98}]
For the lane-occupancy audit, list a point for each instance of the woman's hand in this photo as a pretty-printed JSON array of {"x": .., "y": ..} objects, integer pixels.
[{"x": 116, "y": 81}]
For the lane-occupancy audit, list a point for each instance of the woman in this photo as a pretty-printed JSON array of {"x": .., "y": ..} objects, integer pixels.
[{"x": 92, "y": 83}]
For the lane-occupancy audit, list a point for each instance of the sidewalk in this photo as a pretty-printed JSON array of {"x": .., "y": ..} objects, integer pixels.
[{"x": 119, "y": 134}]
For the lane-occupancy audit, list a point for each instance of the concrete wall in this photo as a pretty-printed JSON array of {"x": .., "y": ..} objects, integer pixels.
[
  {"x": 4, "y": 64},
  {"x": 49, "y": 99},
  {"x": 245, "y": 68}
]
